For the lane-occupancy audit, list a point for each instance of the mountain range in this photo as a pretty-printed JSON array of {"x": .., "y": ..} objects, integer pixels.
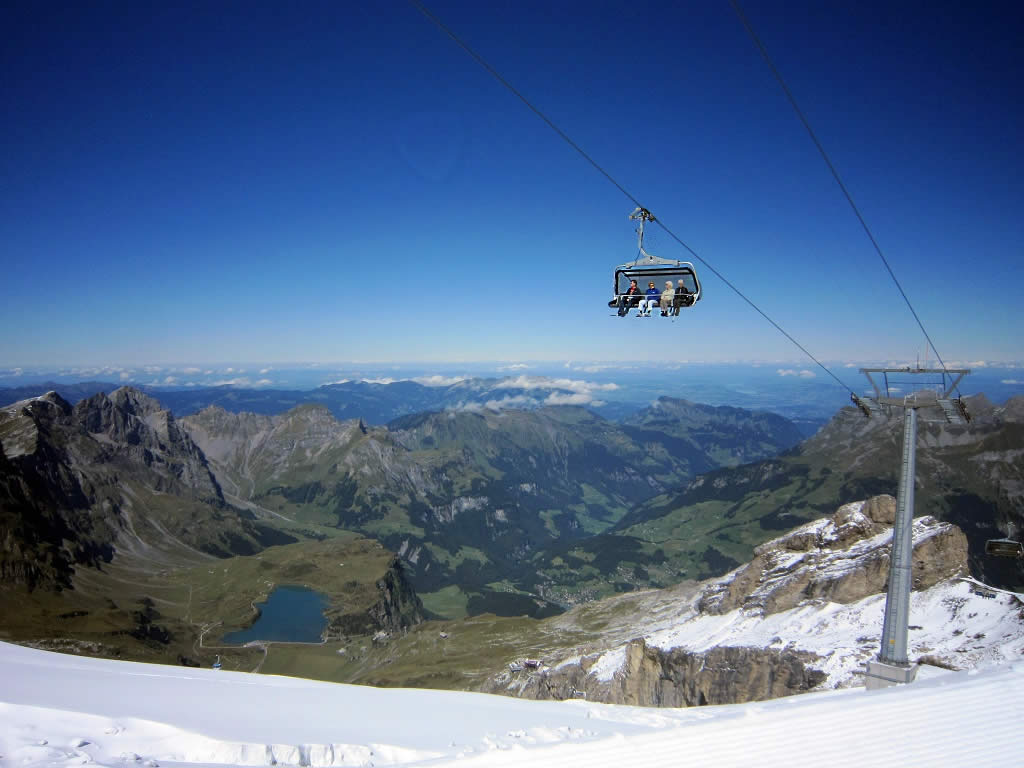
[
  {"x": 113, "y": 511},
  {"x": 971, "y": 475},
  {"x": 468, "y": 497},
  {"x": 379, "y": 402}
]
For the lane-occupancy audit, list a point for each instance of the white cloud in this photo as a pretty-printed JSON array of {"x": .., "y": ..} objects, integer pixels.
[
  {"x": 127, "y": 375},
  {"x": 191, "y": 370},
  {"x": 509, "y": 402},
  {"x": 513, "y": 367},
  {"x": 339, "y": 381},
  {"x": 379, "y": 381},
  {"x": 170, "y": 379},
  {"x": 263, "y": 382},
  {"x": 266, "y": 370},
  {"x": 438, "y": 381},
  {"x": 1011, "y": 381},
  {"x": 515, "y": 401},
  {"x": 562, "y": 398},
  {"x": 598, "y": 367},
  {"x": 803, "y": 374},
  {"x": 543, "y": 382}
]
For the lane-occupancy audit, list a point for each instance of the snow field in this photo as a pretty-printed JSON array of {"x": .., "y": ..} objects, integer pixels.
[{"x": 61, "y": 711}]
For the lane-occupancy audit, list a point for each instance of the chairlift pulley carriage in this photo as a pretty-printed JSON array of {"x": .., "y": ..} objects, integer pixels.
[{"x": 648, "y": 268}]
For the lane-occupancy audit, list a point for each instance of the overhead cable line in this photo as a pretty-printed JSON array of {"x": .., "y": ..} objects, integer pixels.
[
  {"x": 835, "y": 174},
  {"x": 565, "y": 137}
]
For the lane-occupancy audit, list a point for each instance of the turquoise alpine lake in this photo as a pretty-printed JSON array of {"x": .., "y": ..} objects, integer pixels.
[{"x": 291, "y": 615}]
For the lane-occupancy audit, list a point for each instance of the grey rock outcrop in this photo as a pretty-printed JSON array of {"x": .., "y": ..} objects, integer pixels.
[
  {"x": 841, "y": 559},
  {"x": 652, "y": 677},
  {"x": 723, "y": 675},
  {"x": 396, "y": 609},
  {"x": 137, "y": 431}
]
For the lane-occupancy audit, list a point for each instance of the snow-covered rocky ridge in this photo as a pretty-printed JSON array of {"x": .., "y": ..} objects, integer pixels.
[{"x": 805, "y": 614}]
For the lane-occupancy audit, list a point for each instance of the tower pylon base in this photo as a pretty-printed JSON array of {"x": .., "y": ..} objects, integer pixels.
[{"x": 881, "y": 675}]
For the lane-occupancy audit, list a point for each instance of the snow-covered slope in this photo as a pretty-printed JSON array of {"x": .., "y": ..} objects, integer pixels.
[
  {"x": 805, "y": 614},
  {"x": 951, "y": 623},
  {"x": 60, "y": 710}
]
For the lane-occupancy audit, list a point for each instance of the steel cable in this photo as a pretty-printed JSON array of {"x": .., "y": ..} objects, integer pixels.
[{"x": 565, "y": 137}]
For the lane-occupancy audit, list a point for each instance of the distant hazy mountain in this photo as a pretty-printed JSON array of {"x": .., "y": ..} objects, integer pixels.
[
  {"x": 375, "y": 403},
  {"x": 72, "y": 393},
  {"x": 730, "y": 436}
]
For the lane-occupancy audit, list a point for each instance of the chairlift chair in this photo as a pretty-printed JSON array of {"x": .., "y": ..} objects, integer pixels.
[
  {"x": 1008, "y": 547},
  {"x": 647, "y": 268}
]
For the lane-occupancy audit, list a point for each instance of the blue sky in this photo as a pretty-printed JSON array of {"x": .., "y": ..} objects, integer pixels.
[{"x": 339, "y": 181}]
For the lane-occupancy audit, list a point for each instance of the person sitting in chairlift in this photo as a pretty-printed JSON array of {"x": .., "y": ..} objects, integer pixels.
[
  {"x": 629, "y": 299},
  {"x": 680, "y": 298},
  {"x": 666, "y": 299},
  {"x": 652, "y": 299}
]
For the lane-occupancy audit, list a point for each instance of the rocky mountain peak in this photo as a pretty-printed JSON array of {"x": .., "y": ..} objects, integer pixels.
[
  {"x": 139, "y": 403},
  {"x": 22, "y": 423},
  {"x": 841, "y": 558},
  {"x": 1012, "y": 410},
  {"x": 43, "y": 409}
]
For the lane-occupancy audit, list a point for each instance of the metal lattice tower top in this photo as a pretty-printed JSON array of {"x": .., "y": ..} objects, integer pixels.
[{"x": 935, "y": 391}]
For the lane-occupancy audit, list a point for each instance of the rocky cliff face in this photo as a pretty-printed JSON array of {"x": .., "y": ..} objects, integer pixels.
[
  {"x": 115, "y": 475},
  {"x": 705, "y": 655},
  {"x": 396, "y": 609},
  {"x": 260, "y": 455},
  {"x": 138, "y": 432},
  {"x": 653, "y": 677},
  {"x": 840, "y": 559}
]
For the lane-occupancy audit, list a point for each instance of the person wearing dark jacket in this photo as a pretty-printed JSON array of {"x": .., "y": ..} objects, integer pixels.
[
  {"x": 629, "y": 299},
  {"x": 681, "y": 298}
]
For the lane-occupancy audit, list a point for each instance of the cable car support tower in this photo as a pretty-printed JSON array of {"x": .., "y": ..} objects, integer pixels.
[{"x": 892, "y": 667}]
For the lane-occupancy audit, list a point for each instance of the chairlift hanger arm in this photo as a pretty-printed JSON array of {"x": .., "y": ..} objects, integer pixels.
[{"x": 647, "y": 259}]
